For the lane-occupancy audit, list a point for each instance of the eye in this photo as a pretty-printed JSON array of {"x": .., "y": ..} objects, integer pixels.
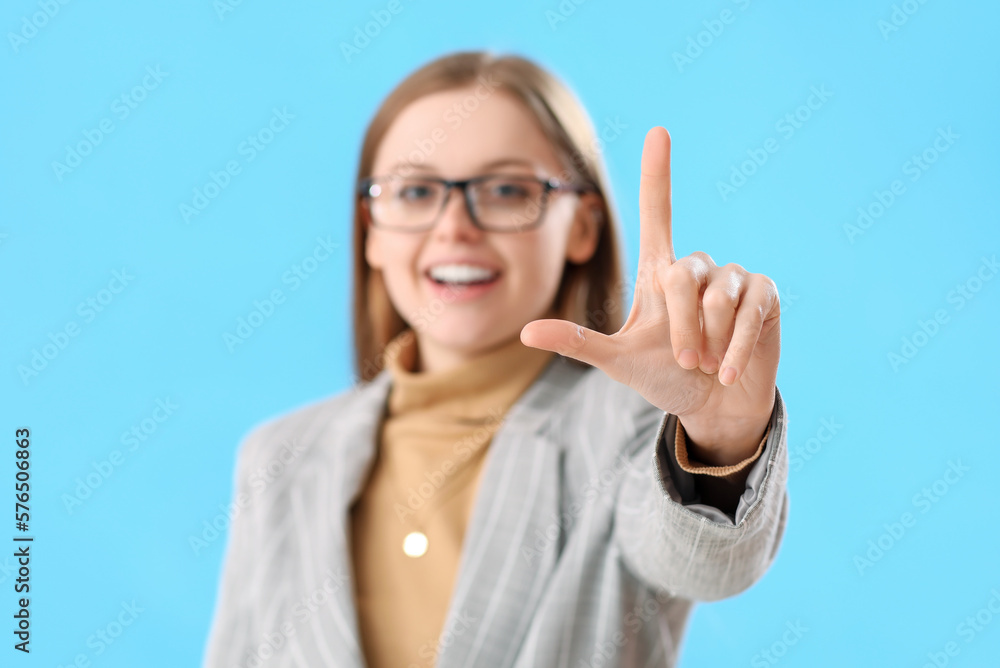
[
  {"x": 414, "y": 192},
  {"x": 507, "y": 190}
]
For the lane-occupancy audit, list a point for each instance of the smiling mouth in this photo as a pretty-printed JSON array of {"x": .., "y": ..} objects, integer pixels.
[{"x": 461, "y": 276}]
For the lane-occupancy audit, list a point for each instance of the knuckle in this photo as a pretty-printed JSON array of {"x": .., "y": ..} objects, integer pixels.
[
  {"x": 771, "y": 290},
  {"x": 764, "y": 284},
  {"x": 654, "y": 209},
  {"x": 680, "y": 279},
  {"x": 704, "y": 257},
  {"x": 751, "y": 318},
  {"x": 718, "y": 300},
  {"x": 715, "y": 340},
  {"x": 683, "y": 334},
  {"x": 737, "y": 353},
  {"x": 760, "y": 312}
]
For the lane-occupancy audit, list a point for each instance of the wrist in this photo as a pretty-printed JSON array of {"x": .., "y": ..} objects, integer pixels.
[{"x": 717, "y": 441}]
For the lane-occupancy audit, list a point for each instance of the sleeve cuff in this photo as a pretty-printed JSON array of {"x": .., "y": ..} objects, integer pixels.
[{"x": 726, "y": 472}]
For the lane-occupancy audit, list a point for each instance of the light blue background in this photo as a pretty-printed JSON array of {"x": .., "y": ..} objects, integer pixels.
[{"x": 846, "y": 305}]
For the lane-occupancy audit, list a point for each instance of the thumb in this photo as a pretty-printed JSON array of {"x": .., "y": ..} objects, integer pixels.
[{"x": 571, "y": 340}]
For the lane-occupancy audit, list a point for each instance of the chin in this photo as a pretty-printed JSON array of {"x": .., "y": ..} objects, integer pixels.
[{"x": 470, "y": 336}]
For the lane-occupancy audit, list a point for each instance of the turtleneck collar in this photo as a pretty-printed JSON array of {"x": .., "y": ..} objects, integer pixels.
[{"x": 474, "y": 388}]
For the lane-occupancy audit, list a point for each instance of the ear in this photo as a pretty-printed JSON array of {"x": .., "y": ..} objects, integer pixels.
[{"x": 586, "y": 228}]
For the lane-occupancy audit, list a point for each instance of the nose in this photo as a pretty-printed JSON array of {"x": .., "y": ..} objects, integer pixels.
[{"x": 454, "y": 221}]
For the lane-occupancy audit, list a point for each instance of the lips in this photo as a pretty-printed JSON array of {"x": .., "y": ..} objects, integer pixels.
[{"x": 455, "y": 285}]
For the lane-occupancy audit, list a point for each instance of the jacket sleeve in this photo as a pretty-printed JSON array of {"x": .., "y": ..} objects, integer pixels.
[
  {"x": 673, "y": 542},
  {"x": 233, "y": 623}
]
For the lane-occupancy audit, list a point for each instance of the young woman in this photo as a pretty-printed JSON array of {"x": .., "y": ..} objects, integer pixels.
[{"x": 519, "y": 478}]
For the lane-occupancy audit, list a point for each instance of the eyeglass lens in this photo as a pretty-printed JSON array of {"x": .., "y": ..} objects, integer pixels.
[{"x": 501, "y": 202}]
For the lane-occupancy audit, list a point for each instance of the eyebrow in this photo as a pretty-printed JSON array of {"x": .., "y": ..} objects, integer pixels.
[{"x": 501, "y": 162}]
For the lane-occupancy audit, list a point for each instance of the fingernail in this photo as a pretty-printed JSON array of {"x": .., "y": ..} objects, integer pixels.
[
  {"x": 688, "y": 358},
  {"x": 728, "y": 375}
]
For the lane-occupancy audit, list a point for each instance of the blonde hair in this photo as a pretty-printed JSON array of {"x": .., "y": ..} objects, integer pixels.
[{"x": 589, "y": 294}]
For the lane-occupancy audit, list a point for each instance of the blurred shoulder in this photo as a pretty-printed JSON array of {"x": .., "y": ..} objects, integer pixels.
[{"x": 302, "y": 428}]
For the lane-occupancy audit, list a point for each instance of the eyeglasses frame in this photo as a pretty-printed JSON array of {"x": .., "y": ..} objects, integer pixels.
[{"x": 549, "y": 185}]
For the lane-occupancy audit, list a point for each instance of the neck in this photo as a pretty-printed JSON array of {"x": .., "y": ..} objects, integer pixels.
[{"x": 433, "y": 358}]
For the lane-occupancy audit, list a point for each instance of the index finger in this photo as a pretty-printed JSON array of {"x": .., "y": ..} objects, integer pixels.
[{"x": 655, "y": 234}]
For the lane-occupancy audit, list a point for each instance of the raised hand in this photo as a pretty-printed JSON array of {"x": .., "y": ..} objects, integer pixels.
[{"x": 701, "y": 341}]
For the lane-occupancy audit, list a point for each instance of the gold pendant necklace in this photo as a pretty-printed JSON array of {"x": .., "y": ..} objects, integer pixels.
[{"x": 416, "y": 542}]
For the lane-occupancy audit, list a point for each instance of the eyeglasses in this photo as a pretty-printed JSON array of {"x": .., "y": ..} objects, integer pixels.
[{"x": 495, "y": 203}]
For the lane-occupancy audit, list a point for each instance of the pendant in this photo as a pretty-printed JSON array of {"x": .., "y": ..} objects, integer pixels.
[{"x": 415, "y": 544}]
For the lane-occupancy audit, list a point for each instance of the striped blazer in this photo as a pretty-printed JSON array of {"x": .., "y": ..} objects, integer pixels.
[{"x": 587, "y": 545}]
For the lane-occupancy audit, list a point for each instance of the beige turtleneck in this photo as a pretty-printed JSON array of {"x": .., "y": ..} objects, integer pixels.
[
  {"x": 431, "y": 447},
  {"x": 432, "y": 444}
]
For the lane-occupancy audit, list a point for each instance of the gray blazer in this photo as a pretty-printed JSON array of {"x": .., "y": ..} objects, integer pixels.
[{"x": 587, "y": 544}]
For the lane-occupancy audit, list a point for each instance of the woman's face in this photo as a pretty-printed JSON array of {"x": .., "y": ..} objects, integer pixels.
[{"x": 459, "y": 140}]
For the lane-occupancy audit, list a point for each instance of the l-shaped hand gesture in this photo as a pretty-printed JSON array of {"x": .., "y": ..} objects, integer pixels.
[{"x": 701, "y": 341}]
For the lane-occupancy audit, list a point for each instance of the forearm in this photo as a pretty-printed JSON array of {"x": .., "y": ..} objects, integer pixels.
[{"x": 678, "y": 536}]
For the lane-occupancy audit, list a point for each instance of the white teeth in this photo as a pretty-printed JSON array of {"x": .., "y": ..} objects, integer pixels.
[{"x": 461, "y": 273}]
